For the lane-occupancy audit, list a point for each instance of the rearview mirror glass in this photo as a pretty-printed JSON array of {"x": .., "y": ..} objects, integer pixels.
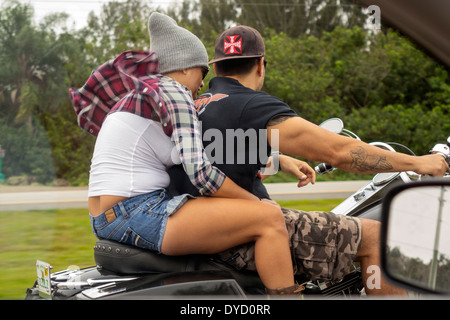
[{"x": 417, "y": 236}]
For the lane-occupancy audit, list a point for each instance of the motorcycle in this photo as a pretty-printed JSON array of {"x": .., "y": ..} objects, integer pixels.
[{"x": 126, "y": 272}]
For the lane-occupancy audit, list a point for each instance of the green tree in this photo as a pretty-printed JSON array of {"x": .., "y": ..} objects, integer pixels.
[
  {"x": 297, "y": 17},
  {"x": 33, "y": 76},
  {"x": 291, "y": 17},
  {"x": 32, "y": 83},
  {"x": 120, "y": 26}
]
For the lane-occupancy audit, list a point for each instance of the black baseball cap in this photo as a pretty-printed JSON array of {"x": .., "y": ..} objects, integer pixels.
[{"x": 239, "y": 42}]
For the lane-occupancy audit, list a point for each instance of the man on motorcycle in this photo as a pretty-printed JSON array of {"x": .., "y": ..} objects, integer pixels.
[
  {"x": 323, "y": 245},
  {"x": 140, "y": 106}
]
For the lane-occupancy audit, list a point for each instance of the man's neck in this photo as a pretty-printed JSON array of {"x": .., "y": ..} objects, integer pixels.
[{"x": 246, "y": 81}]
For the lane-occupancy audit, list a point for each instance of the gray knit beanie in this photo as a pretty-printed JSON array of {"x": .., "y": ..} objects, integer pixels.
[{"x": 176, "y": 47}]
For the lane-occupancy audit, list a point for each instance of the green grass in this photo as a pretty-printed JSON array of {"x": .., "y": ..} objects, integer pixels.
[
  {"x": 311, "y": 205},
  {"x": 62, "y": 238},
  {"x": 59, "y": 237}
]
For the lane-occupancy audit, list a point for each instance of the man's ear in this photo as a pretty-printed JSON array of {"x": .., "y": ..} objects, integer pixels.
[{"x": 260, "y": 67}]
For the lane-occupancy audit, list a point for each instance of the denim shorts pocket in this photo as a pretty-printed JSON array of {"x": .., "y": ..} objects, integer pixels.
[
  {"x": 98, "y": 223},
  {"x": 130, "y": 237},
  {"x": 101, "y": 225}
]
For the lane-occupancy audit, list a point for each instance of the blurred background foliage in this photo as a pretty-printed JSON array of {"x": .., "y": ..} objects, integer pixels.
[{"x": 324, "y": 59}]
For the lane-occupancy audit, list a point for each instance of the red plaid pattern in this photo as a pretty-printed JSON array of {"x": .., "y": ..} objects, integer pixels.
[{"x": 126, "y": 83}]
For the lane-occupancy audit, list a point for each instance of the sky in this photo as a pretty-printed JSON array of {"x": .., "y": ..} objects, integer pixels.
[
  {"x": 414, "y": 217},
  {"x": 77, "y": 9}
]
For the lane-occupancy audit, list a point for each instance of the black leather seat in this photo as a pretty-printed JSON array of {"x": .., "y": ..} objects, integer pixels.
[{"x": 125, "y": 259}]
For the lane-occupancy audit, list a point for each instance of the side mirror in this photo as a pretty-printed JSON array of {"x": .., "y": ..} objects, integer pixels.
[{"x": 416, "y": 236}]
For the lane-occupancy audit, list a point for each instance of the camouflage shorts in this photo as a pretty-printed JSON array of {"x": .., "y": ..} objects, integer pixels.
[{"x": 323, "y": 245}]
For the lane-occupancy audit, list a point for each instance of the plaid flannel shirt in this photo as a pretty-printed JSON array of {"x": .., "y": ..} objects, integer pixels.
[{"x": 131, "y": 83}]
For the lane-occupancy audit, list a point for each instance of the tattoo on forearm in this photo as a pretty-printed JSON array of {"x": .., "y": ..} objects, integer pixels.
[
  {"x": 278, "y": 120},
  {"x": 364, "y": 162}
]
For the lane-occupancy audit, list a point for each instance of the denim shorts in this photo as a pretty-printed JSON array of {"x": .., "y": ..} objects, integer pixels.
[{"x": 139, "y": 221}]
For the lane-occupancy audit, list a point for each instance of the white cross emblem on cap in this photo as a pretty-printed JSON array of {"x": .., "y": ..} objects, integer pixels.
[{"x": 232, "y": 46}]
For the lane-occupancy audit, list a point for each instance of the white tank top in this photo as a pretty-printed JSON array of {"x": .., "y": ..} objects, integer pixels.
[{"x": 131, "y": 156}]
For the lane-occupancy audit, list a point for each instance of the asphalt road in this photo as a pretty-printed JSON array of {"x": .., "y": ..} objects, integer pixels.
[{"x": 40, "y": 198}]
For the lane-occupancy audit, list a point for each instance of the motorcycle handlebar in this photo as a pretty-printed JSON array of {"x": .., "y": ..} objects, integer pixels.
[{"x": 323, "y": 168}]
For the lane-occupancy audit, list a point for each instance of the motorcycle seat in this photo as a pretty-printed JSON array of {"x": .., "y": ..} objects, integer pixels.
[
  {"x": 125, "y": 259},
  {"x": 122, "y": 259}
]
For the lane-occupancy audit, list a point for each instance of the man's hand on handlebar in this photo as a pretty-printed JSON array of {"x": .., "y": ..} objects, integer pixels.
[{"x": 433, "y": 165}]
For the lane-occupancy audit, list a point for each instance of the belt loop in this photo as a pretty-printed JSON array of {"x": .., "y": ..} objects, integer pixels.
[
  {"x": 91, "y": 218},
  {"x": 122, "y": 209}
]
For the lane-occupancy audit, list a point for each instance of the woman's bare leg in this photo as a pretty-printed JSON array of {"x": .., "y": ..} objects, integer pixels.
[{"x": 211, "y": 225}]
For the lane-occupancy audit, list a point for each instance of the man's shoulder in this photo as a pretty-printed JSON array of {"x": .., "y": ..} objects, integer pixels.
[
  {"x": 260, "y": 98},
  {"x": 261, "y": 95}
]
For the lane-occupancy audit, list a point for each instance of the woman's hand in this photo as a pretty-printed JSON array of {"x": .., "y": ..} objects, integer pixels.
[{"x": 300, "y": 169}]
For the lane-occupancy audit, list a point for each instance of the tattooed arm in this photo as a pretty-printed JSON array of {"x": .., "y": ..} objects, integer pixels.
[
  {"x": 362, "y": 161},
  {"x": 302, "y": 138}
]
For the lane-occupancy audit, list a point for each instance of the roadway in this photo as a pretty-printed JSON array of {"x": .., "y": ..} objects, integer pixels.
[{"x": 18, "y": 198}]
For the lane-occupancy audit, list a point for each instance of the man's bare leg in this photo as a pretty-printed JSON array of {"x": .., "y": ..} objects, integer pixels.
[{"x": 369, "y": 257}]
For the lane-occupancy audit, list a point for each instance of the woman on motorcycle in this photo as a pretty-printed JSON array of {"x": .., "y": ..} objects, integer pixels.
[{"x": 141, "y": 105}]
